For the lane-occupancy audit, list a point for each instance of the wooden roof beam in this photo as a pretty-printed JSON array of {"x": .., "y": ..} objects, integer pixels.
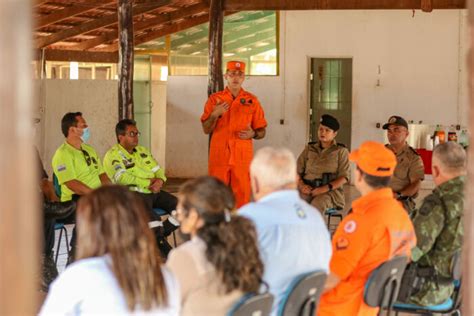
[
  {"x": 239, "y": 5},
  {"x": 163, "y": 18},
  {"x": 93, "y": 25},
  {"x": 66, "y": 13},
  {"x": 86, "y": 57}
]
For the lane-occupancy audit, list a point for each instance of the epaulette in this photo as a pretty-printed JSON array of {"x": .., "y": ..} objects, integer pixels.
[{"x": 341, "y": 145}]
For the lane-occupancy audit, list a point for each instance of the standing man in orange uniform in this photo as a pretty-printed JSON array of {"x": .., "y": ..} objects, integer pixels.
[{"x": 234, "y": 117}]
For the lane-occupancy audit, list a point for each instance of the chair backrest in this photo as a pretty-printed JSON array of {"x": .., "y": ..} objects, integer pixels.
[
  {"x": 303, "y": 295},
  {"x": 253, "y": 305},
  {"x": 383, "y": 284}
]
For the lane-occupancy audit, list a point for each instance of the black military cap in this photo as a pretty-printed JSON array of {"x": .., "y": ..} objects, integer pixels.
[
  {"x": 329, "y": 121},
  {"x": 395, "y": 120}
]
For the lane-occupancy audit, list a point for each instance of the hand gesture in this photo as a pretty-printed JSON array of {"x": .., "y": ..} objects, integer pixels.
[
  {"x": 247, "y": 133},
  {"x": 306, "y": 189},
  {"x": 220, "y": 108}
]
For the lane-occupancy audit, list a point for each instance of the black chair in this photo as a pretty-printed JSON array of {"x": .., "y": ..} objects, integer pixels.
[
  {"x": 333, "y": 212},
  {"x": 383, "y": 284},
  {"x": 451, "y": 306},
  {"x": 253, "y": 305},
  {"x": 303, "y": 295}
]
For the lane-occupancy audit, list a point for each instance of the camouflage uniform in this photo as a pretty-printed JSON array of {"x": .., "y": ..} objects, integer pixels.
[
  {"x": 314, "y": 161},
  {"x": 439, "y": 232},
  {"x": 408, "y": 170}
]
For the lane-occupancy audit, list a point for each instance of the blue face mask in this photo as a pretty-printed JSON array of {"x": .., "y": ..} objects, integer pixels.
[{"x": 86, "y": 134}]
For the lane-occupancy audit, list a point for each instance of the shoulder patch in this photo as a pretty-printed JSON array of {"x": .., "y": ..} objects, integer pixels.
[
  {"x": 350, "y": 227},
  {"x": 61, "y": 168},
  {"x": 342, "y": 243}
]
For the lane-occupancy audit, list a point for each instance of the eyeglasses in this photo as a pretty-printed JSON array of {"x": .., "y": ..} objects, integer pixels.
[
  {"x": 133, "y": 134},
  {"x": 88, "y": 158},
  {"x": 236, "y": 74}
]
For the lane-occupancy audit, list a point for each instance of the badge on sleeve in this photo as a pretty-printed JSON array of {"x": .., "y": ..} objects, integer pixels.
[
  {"x": 342, "y": 243},
  {"x": 350, "y": 227},
  {"x": 61, "y": 168}
]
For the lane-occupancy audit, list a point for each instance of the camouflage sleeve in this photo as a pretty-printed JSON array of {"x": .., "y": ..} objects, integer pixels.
[
  {"x": 344, "y": 166},
  {"x": 301, "y": 162},
  {"x": 417, "y": 169},
  {"x": 428, "y": 222}
]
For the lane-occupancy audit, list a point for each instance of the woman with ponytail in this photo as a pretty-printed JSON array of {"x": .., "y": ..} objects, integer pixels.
[
  {"x": 118, "y": 269},
  {"x": 221, "y": 261}
]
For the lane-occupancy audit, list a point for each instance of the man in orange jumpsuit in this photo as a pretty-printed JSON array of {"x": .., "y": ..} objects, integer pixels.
[
  {"x": 377, "y": 229},
  {"x": 234, "y": 117}
]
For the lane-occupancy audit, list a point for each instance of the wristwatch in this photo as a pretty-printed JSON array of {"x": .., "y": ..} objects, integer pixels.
[{"x": 330, "y": 187}]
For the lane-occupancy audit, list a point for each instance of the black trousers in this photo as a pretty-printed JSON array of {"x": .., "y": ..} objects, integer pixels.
[{"x": 162, "y": 199}]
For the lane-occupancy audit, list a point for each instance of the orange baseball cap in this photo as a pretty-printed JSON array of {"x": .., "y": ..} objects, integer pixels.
[
  {"x": 375, "y": 159},
  {"x": 236, "y": 65}
]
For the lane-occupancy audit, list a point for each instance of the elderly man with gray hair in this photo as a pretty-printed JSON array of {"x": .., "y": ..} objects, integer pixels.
[
  {"x": 439, "y": 230},
  {"x": 293, "y": 238}
]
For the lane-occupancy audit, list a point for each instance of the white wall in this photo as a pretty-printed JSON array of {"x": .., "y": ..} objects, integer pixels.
[
  {"x": 96, "y": 99},
  {"x": 423, "y": 77}
]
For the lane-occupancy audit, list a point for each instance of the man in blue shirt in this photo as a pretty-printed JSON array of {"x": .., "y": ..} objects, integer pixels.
[{"x": 293, "y": 238}]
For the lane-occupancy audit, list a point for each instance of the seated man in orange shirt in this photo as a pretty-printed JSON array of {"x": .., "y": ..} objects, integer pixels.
[{"x": 377, "y": 229}]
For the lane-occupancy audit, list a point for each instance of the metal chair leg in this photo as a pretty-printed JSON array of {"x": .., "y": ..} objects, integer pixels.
[{"x": 58, "y": 246}]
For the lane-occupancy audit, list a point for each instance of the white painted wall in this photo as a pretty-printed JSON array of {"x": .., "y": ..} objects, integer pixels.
[
  {"x": 423, "y": 77},
  {"x": 96, "y": 99}
]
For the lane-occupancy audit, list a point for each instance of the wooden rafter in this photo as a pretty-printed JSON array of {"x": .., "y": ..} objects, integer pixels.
[
  {"x": 66, "y": 13},
  {"x": 142, "y": 25},
  {"x": 72, "y": 55},
  {"x": 239, "y": 5},
  {"x": 93, "y": 25}
]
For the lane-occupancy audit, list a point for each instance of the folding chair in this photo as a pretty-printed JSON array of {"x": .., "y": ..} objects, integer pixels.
[
  {"x": 160, "y": 212},
  {"x": 62, "y": 229},
  {"x": 253, "y": 305}
]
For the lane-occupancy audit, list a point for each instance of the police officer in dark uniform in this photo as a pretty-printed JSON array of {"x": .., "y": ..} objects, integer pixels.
[{"x": 324, "y": 168}]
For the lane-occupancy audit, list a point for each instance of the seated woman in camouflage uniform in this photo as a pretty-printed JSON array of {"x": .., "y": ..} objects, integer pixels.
[{"x": 324, "y": 168}]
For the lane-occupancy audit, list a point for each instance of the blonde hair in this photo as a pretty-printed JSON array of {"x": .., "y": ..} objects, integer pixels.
[
  {"x": 274, "y": 167},
  {"x": 113, "y": 221}
]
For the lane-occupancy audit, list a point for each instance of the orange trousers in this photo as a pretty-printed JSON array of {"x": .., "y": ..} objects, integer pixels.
[{"x": 237, "y": 177}]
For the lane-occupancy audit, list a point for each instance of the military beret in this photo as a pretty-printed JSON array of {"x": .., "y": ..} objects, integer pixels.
[{"x": 329, "y": 121}]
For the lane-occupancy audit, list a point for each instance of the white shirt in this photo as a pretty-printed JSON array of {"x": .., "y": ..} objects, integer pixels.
[
  {"x": 293, "y": 239},
  {"x": 89, "y": 287}
]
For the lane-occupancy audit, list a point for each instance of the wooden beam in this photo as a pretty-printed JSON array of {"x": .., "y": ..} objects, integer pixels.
[
  {"x": 93, "y": 25},
  {"x": 20, "y": 210},
  {"x": 125, "y": 66},
  {"x": 239, "y": 5},
  {"x": 85, "y": 57},
  {"x": 216, "y": 30},
  {"x": 66, "y": 13},
  {"x": 163, "y": 18}
]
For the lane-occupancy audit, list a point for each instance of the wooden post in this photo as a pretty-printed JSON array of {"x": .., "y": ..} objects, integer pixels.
[
  {"x": 125, "y": 65},
  {"x": 468, "y": 250},
  {"x": 216, "y": 30},
  {"x": 19, "y": 210}
]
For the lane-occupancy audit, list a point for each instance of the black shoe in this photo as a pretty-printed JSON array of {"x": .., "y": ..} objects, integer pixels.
[{"x": 58, "y": 210}]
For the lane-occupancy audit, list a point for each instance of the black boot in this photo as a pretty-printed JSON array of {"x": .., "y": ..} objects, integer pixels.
[{"x": 58, "y": 210}]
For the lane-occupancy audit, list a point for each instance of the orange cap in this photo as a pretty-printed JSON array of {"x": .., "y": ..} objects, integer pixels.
[
  {"x": 236, "y": 65},
  {"x": 375, "y": 159}
]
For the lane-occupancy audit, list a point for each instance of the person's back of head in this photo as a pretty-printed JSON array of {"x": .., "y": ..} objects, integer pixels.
[
  {"x": 113, "y": 221},
  {"x": 375, "y": 166},
  {"x": 272, "y": 169},
  {"x": 449, "y": 161},
  {"x": 231, "y": 240}
]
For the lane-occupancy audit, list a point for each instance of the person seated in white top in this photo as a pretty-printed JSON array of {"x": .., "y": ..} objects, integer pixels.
[
  {"x": 118, "y": 269},
  {"x": 221, "y": 262}
]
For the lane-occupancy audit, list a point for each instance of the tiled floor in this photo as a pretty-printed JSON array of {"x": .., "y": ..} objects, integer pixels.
[{"x": 172, "y": 186}]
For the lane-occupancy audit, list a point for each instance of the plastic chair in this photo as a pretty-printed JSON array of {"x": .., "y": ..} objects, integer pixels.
[
  {"x": 253, "y": 305},
  {"x": 451, "y": 306},
  {"x": 61, "y": 228},
  {"x": 302, "y": 295},
  {"x": 160, "y": 212},
  {"x": 383, "y": 284}
]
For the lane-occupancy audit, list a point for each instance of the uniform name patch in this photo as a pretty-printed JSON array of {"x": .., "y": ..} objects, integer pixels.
[
  {"x": 350, "y": 227},
  {"x": 61, "y": 168}
]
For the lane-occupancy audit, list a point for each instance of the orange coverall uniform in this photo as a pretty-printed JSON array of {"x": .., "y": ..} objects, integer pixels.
[
  {"x": 377, "y": 229},
  {"x": 230, "y": 156}
]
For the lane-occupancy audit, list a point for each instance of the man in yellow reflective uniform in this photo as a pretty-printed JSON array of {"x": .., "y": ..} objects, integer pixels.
[{"x": 132, "y": 165}]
